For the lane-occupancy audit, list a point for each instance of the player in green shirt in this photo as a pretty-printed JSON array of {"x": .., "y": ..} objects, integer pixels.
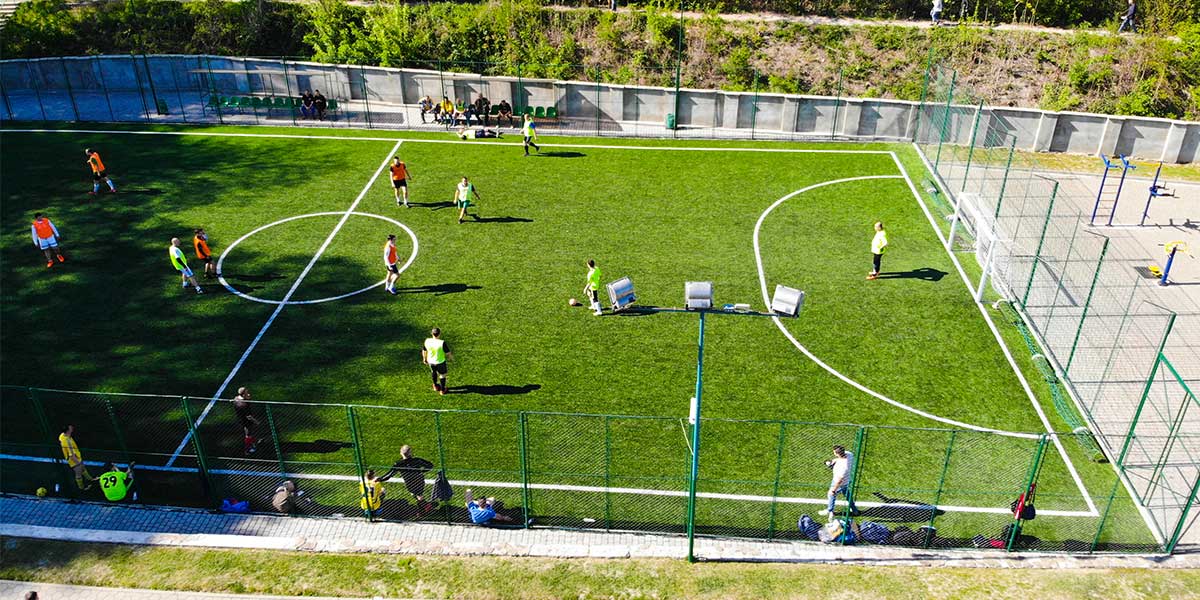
[
  {"x": 115, "y": 482},
  {"x": 592, "y": 288}
]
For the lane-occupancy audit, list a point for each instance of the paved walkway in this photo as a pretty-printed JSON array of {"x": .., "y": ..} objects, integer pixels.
[
  {"x": 53, "y": 519},
  {"x": 16, "y": 590}
]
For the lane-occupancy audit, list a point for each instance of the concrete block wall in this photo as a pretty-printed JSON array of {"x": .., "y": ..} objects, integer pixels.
[{"x": 620, "y": 108}]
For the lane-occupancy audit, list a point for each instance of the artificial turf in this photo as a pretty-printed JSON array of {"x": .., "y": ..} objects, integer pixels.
[{"x": 114, "y": 317}]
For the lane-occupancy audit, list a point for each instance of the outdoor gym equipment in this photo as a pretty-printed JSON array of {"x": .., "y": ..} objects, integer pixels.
[
  {"x": 1172, "y": 248},
  {"x": 1105, "y": 186},
  {"x": 1156, "y": 191}
]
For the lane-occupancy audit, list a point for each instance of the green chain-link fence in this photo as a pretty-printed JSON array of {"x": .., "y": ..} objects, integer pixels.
[
  {"x": 1091, "y": 320},
  {"x": 925, "y": 487}
]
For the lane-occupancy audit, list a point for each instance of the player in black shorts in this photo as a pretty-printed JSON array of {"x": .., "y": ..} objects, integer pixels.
[{"x": 400, "y": 177}]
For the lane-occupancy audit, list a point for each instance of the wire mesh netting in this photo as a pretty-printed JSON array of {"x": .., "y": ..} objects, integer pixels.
[{"x": 757, "y": 479}]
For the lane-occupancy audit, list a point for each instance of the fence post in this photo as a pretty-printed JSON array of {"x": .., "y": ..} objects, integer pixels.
[
  {"x": 358, "y": 462},
  {"x": 607, "y": 476},
  {"x": 150, "y": 80},
  {"x": 524, "y": 468},
  {"x": 275, "y": 440},
  {"x": 287, "y": 82},
  {"x": 362, "y": 74},
  {"x": 971, "y": 148},
  {"x": 141, "y": 95},
  {"x": 103, "y": 86},
  {"x": 596, "y": 75},
  {"x": 753, "y": 107},
  {"x": 1086, "y": 306},
  {"x": 778, "y": 467},
  {"x": 1187, "y": 508},
  {"x": 201, "y": 460},
  {"x": 212, "y": 87},
  {"x": 36, "y": 91},
  {"x": 945, "y": 121},
  {"x": 1037, "y": 255},
  {"x": 1137, "y": 414},
  {"x": 860, "y": 441},
  {"x": 4, "y": 94},
  {"x": 54, "y": 452},
  {"x": 937, "y": 496},
  {"x": 1034, "y": 467},
  {"x": 62, "y": 62},
  {"x": 837, "y": 107},
  {"x": 1012, "y": 148},
  {"x": 1104, "y": 516},
  {"x": 179, "y": 91},
  {"x": 437, "y": 427},
  {"x": 924, "y": 94}
]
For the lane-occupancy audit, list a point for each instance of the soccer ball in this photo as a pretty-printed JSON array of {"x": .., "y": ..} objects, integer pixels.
[
  {"x": 572, "y": 302},
  {"x": 41, "y": 492}
]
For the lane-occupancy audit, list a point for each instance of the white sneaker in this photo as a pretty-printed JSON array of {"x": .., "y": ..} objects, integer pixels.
[
  {"x": 199, "y": 290},
  {"x": 823, "y": 512}
]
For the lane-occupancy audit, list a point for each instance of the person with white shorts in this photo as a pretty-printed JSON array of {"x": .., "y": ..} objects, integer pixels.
[{"x": 179, "y": 260}]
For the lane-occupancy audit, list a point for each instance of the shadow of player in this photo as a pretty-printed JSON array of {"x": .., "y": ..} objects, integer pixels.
[
  {"x": 494, "y": 390},
  {"x": 924, "y": 274},
  {"x": 440, "y": 289}
]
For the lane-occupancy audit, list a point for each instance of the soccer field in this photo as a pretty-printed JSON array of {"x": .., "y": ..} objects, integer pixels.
[{"x": 304, "y": 220}]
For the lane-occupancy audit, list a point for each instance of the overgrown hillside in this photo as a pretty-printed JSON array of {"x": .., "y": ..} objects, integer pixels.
[{"x": 1136, "y": 75}]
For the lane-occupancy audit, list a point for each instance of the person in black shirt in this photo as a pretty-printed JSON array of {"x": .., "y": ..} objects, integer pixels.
[
  {"x": 249, "y": 423},
  {"x": 504, "y": 111},
  {"x": 319, "y": 104},
  {"x": 412, "y": 470},
  {"x": 482, "y": 107},
  {"x": 306, "y": 105}
]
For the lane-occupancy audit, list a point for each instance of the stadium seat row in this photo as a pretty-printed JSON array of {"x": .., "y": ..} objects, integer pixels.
[
  {"x": 279, "y": 102},
  {"x": 539, "y": 112}
]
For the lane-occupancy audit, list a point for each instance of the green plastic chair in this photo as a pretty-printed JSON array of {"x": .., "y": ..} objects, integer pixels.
[
  {"x": 528, "y": 110},
  {"x": 331, "y": 104},
  {"x": 228, "y": 102},
  {"x": 244, "y": 102},
  {"x": 256, "y": 102},
  {"x": 214, "y": 101},
  {"x": 281, "y": 102},
  {"x": 162, "y": 107},
  {"x": 551, "y": 112},
  {"x": 539, "y": 112}
]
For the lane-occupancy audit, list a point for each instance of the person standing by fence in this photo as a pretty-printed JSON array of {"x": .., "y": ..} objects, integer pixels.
[
  {"x": 70, "y": 451},
  {"x": 843, "y": 469},
  {"x": 412, "y": 470},
  {"x": 249, "y": 423}
]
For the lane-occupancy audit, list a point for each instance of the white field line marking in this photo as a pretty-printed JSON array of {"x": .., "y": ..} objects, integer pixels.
[
  {"x": 996, "y": 333},
  {"x": 580, "y": 488},
  {"x": 288, "y": 296},
  {"x": 762, "y": 278},
  {"x": 221, "y": 260},
  {"x": 428, "y": 141}
]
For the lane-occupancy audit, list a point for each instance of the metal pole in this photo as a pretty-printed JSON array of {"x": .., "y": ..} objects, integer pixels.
[
  {"x": 201, "y": 461},
  {"x": 179, "y": 95},
  {"x": 358, "y": 462},
  {"x": 937, "y": 496},
  {"x": 607, "y": 483},
  {"x": 1100, "y": 192},
  {"x": 525, "y": 499},
  {"x": 1187, "y": 508},
  {"x": 1086, "y": 306},
  {"x": 116, "y": 425},
  {"x": 971, "y": 148},
  {"x": 149, "y": 79},
  {"x": 1145, "y": 211},
  {"x": 695, "y": 470},
  {"x": 924, "y": 95},
  {"x": 1038, "y": 452},
  {"x": 859, "y": 444},
  {"x": 1012, "y": 148},
  {"x": 1120, "y": 186},
  {"x": 287, "y": 82},
  {"x": 104, "y": 87},
  {"x": 1104, "y": 516},
  {"x": 675, "y": 133},
  {"x": 7, "y": 101},
  {"x": 1041, "y": 242},
  {"x": 275, "y": 441},
  {"x": 437, "y": 426},
  {"x": 141, "y": 96},
  {"x": 1137, "y": 414},
  {"x": 1163, "y": 281},
  {"x": 753, "y": 107},
  {"x": 37, "y": 92},
  {"x": 778, "y": 468},
  {"x": 1172, "y": 431},
  {"x": 362, "y": 74},
  {"x": 212, "y": 87},
  {"x": 837, "y": 107},
  {"x": 945, "y": 121},
  {"x": 70, "y": 93}
]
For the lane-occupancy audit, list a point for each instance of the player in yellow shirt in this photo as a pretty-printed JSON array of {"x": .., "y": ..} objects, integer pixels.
[
  {"x": 74, "y": 459},
  {"x": 99, "y": 173}
]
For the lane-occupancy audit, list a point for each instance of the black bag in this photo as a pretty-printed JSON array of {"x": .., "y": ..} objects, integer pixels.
[
  {"x": 1022, "y": 508},
  {"x": 442, "y": 492}
]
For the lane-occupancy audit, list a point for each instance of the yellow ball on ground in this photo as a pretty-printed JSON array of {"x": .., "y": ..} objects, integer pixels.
[{"x": 41, "y": 492}]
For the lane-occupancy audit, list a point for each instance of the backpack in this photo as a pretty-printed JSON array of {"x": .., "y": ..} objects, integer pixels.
[
  {"x": 1022, "y": 508},
  {"x": 830, "y": 532},
  {"x": 442, "y": 492},
  {"x": 231, "y": 505},
  {"x": 873, "y": 532},
  {"x": 808, "y": 527}
]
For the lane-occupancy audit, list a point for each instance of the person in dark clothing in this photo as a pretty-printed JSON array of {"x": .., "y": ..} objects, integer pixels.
[
  {"x": 306, "y": 105},
  {"x": 504, "y": 111},
  {"x": 249, "y": 423},
  {"x": 1128, "y": 19},
  {"x": 319, "y": 104},
  {"x": 412, "y": 470},
  {"x": 482, "y": 107}
]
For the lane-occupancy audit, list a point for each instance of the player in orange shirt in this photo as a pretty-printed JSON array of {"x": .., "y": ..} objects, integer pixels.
[
  {"x": 390, "y": 260},
  {"x": 200, "y": 243},
  {"x": 400, "y": 177},
  {"x": 98, "y": 172}
]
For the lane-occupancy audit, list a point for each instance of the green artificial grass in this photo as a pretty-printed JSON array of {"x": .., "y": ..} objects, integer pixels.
[{"x": 114, "y": 318}]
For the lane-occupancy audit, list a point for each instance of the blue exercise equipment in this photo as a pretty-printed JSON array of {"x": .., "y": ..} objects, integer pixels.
[
  {"x": 1105, "y": 186},
  {"x": 1156, "y": 191},
  {"x": 1172, "y": 249}
]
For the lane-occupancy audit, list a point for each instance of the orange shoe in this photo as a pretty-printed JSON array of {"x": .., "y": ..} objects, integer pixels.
[
  {"x": 49, "y": 264},
  {"x": 62, "y": 258}
]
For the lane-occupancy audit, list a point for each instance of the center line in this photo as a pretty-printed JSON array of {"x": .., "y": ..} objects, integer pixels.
[{"x": 287, "y": 297}]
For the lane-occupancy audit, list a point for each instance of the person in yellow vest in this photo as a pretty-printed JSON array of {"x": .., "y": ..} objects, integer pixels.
[
  {"x": 179, "y": 261},
  {"x": 435, "y": 354},
  {"x": 529, "y": 132},
  {"x": 70, "y": 451},
  {"x": 99, "y": 173},
  {"x": 46, "y": 238},
  {"x": 592, "y": 288},
  {"x": 372, "y": 492},
  {"x": 878, "y": 247},
  {"x": 115, "y": 483}
]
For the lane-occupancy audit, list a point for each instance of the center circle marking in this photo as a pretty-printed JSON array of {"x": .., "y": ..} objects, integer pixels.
[{"x": 221, "y": 260}]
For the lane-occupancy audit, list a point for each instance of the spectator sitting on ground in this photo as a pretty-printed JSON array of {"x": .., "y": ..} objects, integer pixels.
[
  {"x": 286, "y": 498},
  {"x": 484, "y": 511},
  {"x": 306, "y": 105},
  {"x": 482, "y": 107},
  {"x": 319, "y": 104},
  {"x": 115, "y": 483},
  {"x": 504, "y": 111},
  {"x": 465, "y": 133},
  {"x": 427, "y": 107}
]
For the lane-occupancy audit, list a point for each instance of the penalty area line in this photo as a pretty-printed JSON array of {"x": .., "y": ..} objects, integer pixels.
[{"x": 283, "y": 303}]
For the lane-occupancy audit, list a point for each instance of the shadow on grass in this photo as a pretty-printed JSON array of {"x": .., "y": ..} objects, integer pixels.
[
  {"x": 440, "y": 289},
  {"x": 507, "y": 219},
  {"x": 924, "y": 274},
  {"x": 494, "y": 390},
  {"x": 561, "y": 154}
]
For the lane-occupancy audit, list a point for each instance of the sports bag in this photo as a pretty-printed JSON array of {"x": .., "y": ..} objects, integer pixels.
[
  {"x": 442, "y": 492},
  {"x": 808, "y": 527}
]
